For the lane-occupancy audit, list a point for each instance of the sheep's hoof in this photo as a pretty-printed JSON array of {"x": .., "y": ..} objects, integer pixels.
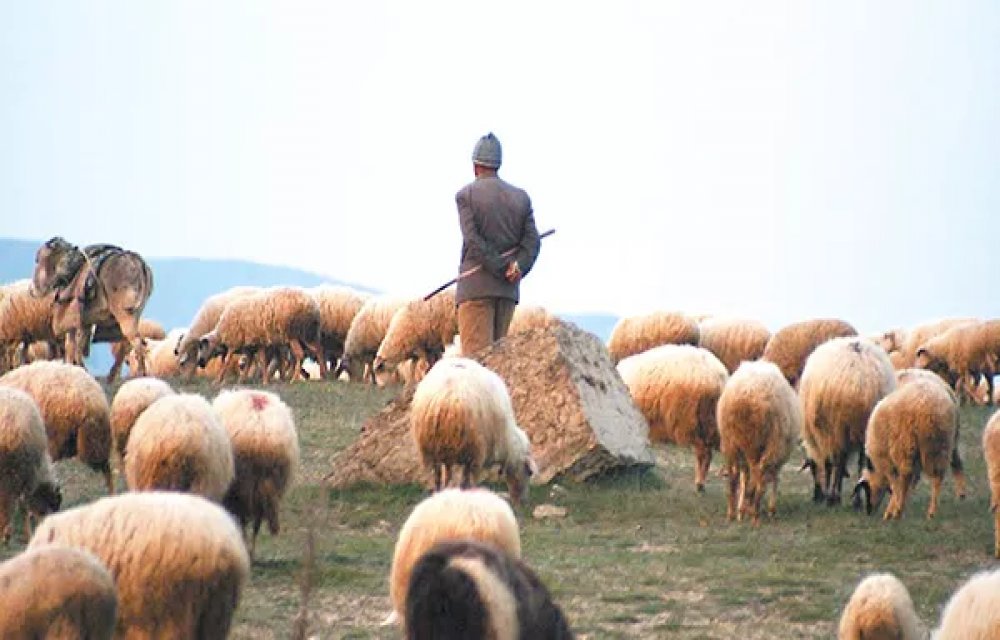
[
  {"x": 818, "y": 496},
  {"x": 833, "y": 501},
  {"x": 699, "y": 487}
]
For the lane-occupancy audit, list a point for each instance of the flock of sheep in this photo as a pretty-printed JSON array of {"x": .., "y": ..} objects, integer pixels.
[{"x": 715, "y": 384}]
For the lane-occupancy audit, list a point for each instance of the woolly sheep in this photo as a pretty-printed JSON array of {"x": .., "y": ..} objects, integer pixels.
[
  {"x": 633, "y": 335},
  {"x": 74, "y": 409},
  {"x": 791, "y": 345},
  {"x": 148, "y": 330},
  {"x": 178, "y": 444},
  {"x": 461, "y": 414},
  {"x": 911, "y": 430},
  {"x": 450, "y": 514},
  {"x": 204, "y": 321},
  {"x": 132, "y": 398},
  {"x": 968, "y": 349},
  {"x": 25, "y": 466},
  {"x": 529, "y": 317},
  {"x": 57, "y": 592},
  {"x": 337, "y": 307},
  {"x": 266, "y": 452},
  {"x": 468, "y": 589},
  {"x": 420, "y": 329},
  {"x": 880, "y": 608},
  {"x": 733, "y": 340},
  {"x": 843, "y": 380},
  {"x": 677, "y": 389},
  {"x": 973, "y": 611},
  {"x": 915, "y": 337},
  {"x": 25, "y": 318},
  {"x": 276, "y": 317},
  {"x": 160, "y": 359},
  {"x": 178, "y": 561},
  {"x": 759, "y": 420},
  {"x": 991, "y": 452},
  {"x": 365, "y": 336}
]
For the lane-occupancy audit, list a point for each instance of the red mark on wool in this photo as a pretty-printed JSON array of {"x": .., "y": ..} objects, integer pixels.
[{"x": 259, "y": 401}]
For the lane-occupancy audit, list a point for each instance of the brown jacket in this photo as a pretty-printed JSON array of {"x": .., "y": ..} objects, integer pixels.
[{"x": 495, "y": 217}]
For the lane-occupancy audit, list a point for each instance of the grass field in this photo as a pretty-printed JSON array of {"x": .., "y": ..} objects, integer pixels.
[{"x": 637, "y": 556}]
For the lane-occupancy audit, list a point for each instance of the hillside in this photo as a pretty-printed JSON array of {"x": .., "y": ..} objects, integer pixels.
[{"x": 180, "y": 284}]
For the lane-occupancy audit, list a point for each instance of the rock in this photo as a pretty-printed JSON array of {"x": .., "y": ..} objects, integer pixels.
[
  {"x": 567, "y": 396},
  {"x": 544, "y": 511}
]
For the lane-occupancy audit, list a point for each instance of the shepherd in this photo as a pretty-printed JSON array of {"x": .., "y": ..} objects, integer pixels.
[
  {"x": 102, "y": 286},
  {"x": 496, "y": 219}
]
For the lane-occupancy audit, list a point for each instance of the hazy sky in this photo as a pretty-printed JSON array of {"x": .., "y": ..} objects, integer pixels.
[{"x": 776, "y": 160}]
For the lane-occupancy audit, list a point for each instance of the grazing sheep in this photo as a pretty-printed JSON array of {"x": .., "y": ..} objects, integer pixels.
[
  {"x": 677, "y": 389},
  {"x": 968, "y": 350},
  {"x": 911, "y": 430},
  {"x": 528, "y": 317},
  {"x": 760, "y": 419},
  {"x": 25, "y": 466},
  {"x": 132, "y": 398},
  {"x": 733, "y": 340},
  {"x": 461, "y": 415},
  {"x": 420, "y": 329},
  {"x": 843, "y": 380},
  {"x": 57, "y": 592},
  {"x": 266, "y": 452},
  {"x": 24, "y": 318},
  {"x": 892, "y": 340},
  {"x": 204, "y": 321},
  {"x": 451, "y": 514},
  {"x": 75, "y": 411},
  {"x": 466, "y": 589},
  {"x": 636, "y": 334},
  {"x": 915, "y": 337},
  {"x": 178, "y": 444},
  {"x": 337, "y": 307},
  {"x": 973, "y": 611},
  {"x": 790, "y": 346},
  {"x": 365, "y": 336},
  {"x": 148, "y": 330},
  {"x": 991, "y": 452},
  {"x": 160, "y": 359},
  {"x": 880, "y": 609},
  {"x": 178, "y": 561},
  {"x": 274, "y": 318}
]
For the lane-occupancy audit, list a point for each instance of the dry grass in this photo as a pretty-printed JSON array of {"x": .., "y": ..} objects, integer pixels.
[{"x": 637, "y": 556}]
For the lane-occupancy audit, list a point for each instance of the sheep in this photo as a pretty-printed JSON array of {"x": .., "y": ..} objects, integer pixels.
[
  {"x": 419, "y": 330},
  {"x": 57, "y": 592},
  {"x": 367, "y": 331},
  {"x": 26, "y": 473},
  {"x": 677, "y": 389},
  {"x": 266, "y": 453},
  {"x": 759, "y": 419},
  {"x": 914, "y": 337},
  {"x": 24, "y": 318},
  {"x": 843, "y": 380},
  {"x": 911, "y": 430},
  {"x": 204, "y": 321},
  {"x": 991, "y": 452},
  {"x": 178, "y": 561},
  {"x": 528, "y": 317},
  {"x": 178, "y": 444},
  {"x": 274, "y": 318},
  {"x": 74, "y": 409},
  {"x": 880, "y": 608},
  {"x": 973, "y": 611},
  {"x": 148, "y": 330},
  {"x": 337, "y": 307},
  {"x": 967, "y": 350},
  {"x": 733, "y": 340},
  {"x": 635, "y": 334},
  {"x": 450, "y": 514},
  {"x": 461, "y": 415},
  {"x": 464, "y": 588},
  {"x": 132, "y": 398},
  {"x": 891, "y": 340},
  {"x": 790, "y": 346}
]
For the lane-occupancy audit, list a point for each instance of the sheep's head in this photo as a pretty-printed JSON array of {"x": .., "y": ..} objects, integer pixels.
[
  {"x": 177, "y": 347},
  {"x": 45, "y": 499},
  {"x": 928, "y": 358},
  {"x": 353, "y": 365},
  {"x": 208, "y": 348},
  {"x": 519, "y": 468},
  {"x": 870, "y": 489},
  {"x": 52, "y": 266}
]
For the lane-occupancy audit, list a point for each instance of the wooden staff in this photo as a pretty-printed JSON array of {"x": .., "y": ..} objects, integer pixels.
[{"x": 468, "y": 272}]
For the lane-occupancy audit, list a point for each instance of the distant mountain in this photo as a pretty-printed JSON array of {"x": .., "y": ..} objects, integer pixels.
[{"x": 181, "y": 284}]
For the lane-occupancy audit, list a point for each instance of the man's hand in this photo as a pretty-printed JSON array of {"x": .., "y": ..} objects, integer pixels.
[{"x": 513, "y": 272}]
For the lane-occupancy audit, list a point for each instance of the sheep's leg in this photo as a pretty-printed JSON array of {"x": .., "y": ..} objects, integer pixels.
[
  {"x": 757, "y": 485},
  {"x": 299, "y": 353},
  {"x": 317, "y": 352},
  {"x": 703, "y": 459},
  {"x": 734, "y": 486},
  {"x": 935, "y": 492},
  {"x": 130, "y": 330},
  {"x": 7, "y": 504},
  {"x": 772, "y": 499},
  {"x": 226, "y": 362},
  {"x": 467, "y": 476}
]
